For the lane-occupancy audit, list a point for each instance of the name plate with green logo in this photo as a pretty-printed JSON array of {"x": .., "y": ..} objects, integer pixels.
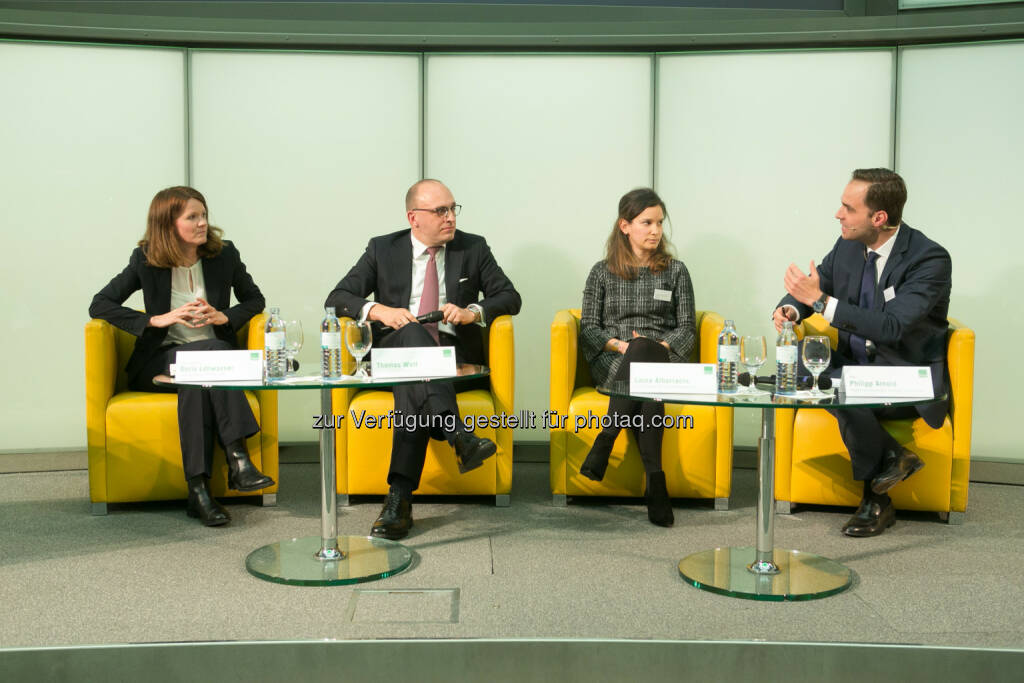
[
  {"x": 218, "y": 366},
  {"x": 887, "y": 381},
  {"x": 673, "y": 378},
  {"x": 415, "y": 361}
]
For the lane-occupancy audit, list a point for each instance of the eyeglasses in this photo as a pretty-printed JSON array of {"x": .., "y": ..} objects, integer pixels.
[{"x": 443, "y": 211}]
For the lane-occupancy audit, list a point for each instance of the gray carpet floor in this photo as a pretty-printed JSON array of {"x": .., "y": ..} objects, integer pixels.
[{"x": 596, "y": 569}]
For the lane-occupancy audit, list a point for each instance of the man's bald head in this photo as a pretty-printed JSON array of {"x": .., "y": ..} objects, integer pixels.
[{"x": 412, "y": 197}]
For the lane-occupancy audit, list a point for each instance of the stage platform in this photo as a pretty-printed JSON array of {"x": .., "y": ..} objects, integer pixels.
[{"x": 527, "y": 592}]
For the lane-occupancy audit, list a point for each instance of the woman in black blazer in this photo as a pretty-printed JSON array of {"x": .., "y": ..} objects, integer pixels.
[{"x": 186, "y": 273}]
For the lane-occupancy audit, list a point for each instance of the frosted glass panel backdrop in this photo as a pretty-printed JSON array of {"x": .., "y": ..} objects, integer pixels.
[
  {"x": 753, "y": 151},
  {"x": 304, "y": 157},
  {"x": 539, "y": 149},
  {"x": 88, "y": 135},
  {"x": 960, "y": 149}
]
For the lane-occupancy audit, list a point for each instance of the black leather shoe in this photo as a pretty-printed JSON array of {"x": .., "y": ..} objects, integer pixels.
[
  {"x": 204, "y": 506},
  {"x": 659, "y": 505},
  {"x": 243, "y": 475},
  {"x": 896, "y": 469},
  {"x": 395, "y": 518},
  {"x": 875, "y": 515},
  {"x": 471, "y": 451},
  {"x": 596, "y": 463}
]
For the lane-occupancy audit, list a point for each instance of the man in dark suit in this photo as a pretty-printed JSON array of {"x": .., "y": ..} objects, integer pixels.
[
  {"x": 428, "y": 267},
  {"x": 885, "y": 288}
]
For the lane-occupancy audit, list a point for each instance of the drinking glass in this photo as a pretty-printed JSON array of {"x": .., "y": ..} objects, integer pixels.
[
  {"x": 358, "y": 340},
  {"x": 816, "y": 353},
  {"x": 293, "y": 341},
  {"x": 753, "y": 351}
]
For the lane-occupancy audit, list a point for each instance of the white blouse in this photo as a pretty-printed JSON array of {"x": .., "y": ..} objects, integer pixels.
[{"x": 187, "y": 285}]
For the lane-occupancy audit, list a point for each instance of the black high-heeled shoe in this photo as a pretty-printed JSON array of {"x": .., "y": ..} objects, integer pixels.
[
  {"x": 242, "y": 474},
  {"x": 203, "y": 505},
  {"x": 659, "y": 505},
  {"x": 596, "y": 462}
]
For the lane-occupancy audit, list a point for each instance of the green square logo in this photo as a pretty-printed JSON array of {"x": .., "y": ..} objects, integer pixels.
[
  {"x": 708, "y": 370},
  {"x": 255, "y": 355},
  {"x": 447, "y": 352},
  {"x": 922, "y": 372}
]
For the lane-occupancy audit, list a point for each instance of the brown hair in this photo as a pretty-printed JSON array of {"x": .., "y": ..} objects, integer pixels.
[
  {"x": 886, "y": 192},
  {"x": 620, "y": 259},
  {"x": 161, "y": 243}
]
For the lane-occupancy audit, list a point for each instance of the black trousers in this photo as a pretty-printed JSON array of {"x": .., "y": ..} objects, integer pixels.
[
  {"x": 866, "y": 439},
  {"x": 648, "y": 439},
  {"x": 202, "y": 412},
  {"x": 429, "y": 409}
]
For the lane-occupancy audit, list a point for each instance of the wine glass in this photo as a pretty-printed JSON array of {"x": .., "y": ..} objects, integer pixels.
[
  {"x": 816, "y": 353},
  {"x": 753, "y": 352},
  {"x": 358, "y": 340},
  {"x": 293, "y": 341}
]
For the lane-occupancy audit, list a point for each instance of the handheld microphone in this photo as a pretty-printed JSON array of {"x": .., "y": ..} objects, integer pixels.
[
  {"x": 432, "y": 317},
  {"x": 804, "y": 382}
]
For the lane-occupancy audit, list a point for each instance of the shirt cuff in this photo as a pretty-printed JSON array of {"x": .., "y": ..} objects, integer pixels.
[
  {"x": 476, "y": 308},
  {"x": 830, "y": 309},
  {"x": 366, "y": 310}
]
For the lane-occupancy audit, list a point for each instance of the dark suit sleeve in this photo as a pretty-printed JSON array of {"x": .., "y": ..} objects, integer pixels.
[
  {"x": 107, "y": 304},
  {"x": 250, "y": 298},
  {"x": 926, "y": 281},
  {"x": 826, "y": 281},
  {"x": 500, "y": 296},
  {"x": 350, "y": 295}
]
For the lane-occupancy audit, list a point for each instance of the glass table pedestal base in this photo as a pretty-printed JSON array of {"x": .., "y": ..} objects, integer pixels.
[
  {"x": 295, "y": 561},
  {"x": 800, "y": 576}
]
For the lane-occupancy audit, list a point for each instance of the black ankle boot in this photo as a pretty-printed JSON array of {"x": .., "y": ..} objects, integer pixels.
[
  {"x": 242, "y": 474},
  {"x": 659, "y": 505},
  {"x": 204, "y": 506},
  {"x": 597, "y": 459}
]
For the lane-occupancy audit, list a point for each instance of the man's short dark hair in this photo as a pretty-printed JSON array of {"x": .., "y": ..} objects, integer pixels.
[{"x": 886, "y": 192}]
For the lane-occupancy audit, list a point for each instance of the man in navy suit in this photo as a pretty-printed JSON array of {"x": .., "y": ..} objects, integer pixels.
[
  {"x": 427, "y": 267},
  {"x": 885, "y": 288}
]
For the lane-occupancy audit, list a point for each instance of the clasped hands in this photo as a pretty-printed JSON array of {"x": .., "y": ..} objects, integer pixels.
[
  {"x": 397, "y": 317},
  {"x": 194, "y": 314},
  {"x": 804, "y": 288},
  {"x": 620, "y": 346}
]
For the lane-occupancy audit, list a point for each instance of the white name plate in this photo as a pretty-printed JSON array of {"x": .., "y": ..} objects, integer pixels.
[
  {"x": 887, "y": 381},
  {"x": 673, "y": 378},
  {"x": 416, "y": 361},
  {"x": 218, "y": 366}
]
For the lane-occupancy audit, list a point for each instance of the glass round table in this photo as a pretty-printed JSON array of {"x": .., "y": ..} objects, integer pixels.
[
  {"x": 328, "y": 559},
  {"x": 765, "y": 572}
]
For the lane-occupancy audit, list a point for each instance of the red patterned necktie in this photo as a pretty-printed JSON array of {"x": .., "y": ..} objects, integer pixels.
[{"x": 430, "y": 299}]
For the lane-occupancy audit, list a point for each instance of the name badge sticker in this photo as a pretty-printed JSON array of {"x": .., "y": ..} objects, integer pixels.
[
  {"x": 662, "y": 294},
  {"x": 889, "y": 294}
]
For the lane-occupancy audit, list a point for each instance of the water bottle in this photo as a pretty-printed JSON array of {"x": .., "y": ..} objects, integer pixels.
[
  {"x": 728, "y": 358},
  {"x": 785, "y": 360},
  {"x": 274, "y": 356},
  {"x": 330, "y": 345}
]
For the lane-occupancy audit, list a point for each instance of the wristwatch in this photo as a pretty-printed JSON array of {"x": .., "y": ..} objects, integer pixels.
[{"x": 819, "y": 304}]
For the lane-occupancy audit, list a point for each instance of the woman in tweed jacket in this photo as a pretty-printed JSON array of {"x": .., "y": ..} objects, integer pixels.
[{"x": 637, "y": 307}]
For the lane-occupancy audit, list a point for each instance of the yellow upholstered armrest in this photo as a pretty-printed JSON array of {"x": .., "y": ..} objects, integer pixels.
[
  {"x": 101, "y": 365},
  {"x": 960, "y": 361},
  {"x": 564, "y": 347},
  {"x": 502, "y": 361},
  {"x": 817, "y": 325}
]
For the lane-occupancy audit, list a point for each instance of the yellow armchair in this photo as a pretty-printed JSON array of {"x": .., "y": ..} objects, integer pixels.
[
  {"x": 813, "y": 466},
  {"x": 362, "y": 454},
  {"x": 134, "y": 451},
  {"x": 697, "y": 461}
]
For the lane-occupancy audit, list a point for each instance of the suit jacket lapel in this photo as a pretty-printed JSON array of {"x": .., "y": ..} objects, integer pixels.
[
  {"x": 895, "y": 256},
  {"x": 452, "y": 270},
  {"x": 401, "y": 270}
]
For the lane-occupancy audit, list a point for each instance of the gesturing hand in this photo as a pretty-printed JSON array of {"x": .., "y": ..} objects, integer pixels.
[{"x": 804, "y": 288}]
